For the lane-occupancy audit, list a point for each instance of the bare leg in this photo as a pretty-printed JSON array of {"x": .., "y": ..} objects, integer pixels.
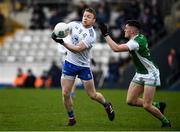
[
  {"x": 73, "y": 89},
  {"x": 134, "y": 91},
  {"x": 148, "y": 99},
  {"x": 91, "y": 91},
  {"x": 147, "y": 104},
  {"x": 67, "y": 85},
  {"x": 66, "y": 89}
]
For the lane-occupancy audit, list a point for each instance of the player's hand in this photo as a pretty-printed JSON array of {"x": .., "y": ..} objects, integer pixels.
[
  {"x": 104, "y": 29},
  {"x": 56, "y": 39},
  {"x": 53, "y": 36},
  {"x": 61, "y": 41}
]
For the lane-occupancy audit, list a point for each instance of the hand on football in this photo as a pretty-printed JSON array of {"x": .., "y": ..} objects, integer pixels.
[
  {"x": 104, "y": 29},
  {"x": 56, "y": 39}
]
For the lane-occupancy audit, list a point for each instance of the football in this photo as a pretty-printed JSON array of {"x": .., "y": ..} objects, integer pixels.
[{"x": 61, "y": 30}]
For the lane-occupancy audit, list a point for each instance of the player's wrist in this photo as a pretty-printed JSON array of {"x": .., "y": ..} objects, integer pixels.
[
  {"x": 61, "y": 41},
  {"x": 106, "y": 34}
]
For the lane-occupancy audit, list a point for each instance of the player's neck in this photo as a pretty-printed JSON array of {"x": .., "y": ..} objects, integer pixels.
[
  {"x": 133, "y": 35},
  {"x": 88, "y": 26}
]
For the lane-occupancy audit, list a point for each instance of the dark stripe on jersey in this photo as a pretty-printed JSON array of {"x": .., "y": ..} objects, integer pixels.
[{"x": 91, "y": 32}]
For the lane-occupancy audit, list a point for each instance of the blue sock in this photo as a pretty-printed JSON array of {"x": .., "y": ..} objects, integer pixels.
[
  {"x": 71, "y": 114},
  {"x": 72, "y": 94}
]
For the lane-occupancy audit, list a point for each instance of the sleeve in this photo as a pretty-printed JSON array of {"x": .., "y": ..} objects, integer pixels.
[{"x": 132, "y": 45}]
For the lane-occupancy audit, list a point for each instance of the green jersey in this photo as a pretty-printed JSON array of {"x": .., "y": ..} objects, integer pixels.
[{"x": 138, "y": 48}]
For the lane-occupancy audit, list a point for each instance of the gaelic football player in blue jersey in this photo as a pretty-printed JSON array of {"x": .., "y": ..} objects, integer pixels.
[{"x": 77, "y": 63}]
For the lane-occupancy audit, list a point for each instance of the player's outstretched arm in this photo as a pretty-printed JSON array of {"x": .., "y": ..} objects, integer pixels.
[
  {"x": 113, "y": 45},
  {"x": 74, "y": 48}
]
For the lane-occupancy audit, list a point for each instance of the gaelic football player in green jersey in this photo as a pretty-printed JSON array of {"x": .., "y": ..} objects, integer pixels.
[{"x": 147, "y": 77}]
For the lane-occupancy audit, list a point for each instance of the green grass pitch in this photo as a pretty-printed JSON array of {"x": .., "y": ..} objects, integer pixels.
[{"x": 35, "y": 110}]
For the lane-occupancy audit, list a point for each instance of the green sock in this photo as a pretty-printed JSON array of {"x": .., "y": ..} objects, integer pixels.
[
  {"x": 156, "y": 104},
  {"x": 164, "y": 120}
]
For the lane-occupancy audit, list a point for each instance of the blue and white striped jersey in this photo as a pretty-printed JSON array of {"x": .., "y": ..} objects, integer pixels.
[{"x": 79, "y": 33}]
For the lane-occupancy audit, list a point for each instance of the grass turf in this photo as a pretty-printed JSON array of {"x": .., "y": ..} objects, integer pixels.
[{"x": 34, "y": 110}]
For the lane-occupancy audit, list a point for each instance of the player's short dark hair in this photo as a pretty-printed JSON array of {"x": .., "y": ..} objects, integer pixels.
[
  {"x": 91, "y": 10},
  {"x": 134, "y": 23}
]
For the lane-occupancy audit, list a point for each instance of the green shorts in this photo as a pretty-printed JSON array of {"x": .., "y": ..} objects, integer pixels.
[{"x": 150, "y": 79}]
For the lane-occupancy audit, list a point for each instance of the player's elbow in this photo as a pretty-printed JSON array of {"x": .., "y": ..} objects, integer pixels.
[
  {"x": 115, "y": 50},
  {"x": 78, "y": 49},
  {"x": 92, "y": 96}
]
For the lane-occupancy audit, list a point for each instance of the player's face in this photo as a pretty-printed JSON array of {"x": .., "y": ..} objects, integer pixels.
[
  {"x": 127, "y": 31},
  {"x": 88, "y": 19}
]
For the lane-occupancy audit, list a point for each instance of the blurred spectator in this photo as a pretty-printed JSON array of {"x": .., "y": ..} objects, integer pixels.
[
  {"x": 55, "y": 74},
  {"x": 81, "y": 7},
  {"x": 77, "y": 15},
  {"x": 20, "y": 78},
  {"x": 103, "y": 12},
  {"x": 54, "y": 19},
  {"x": 18, "y": 5},
  {"x": 2, "y": 23},
  {"x": 145, "y": 19},
  {"x": 173, "y": 60},
  {"x": 30, "y": 79},
  {"x": 97, "y": 72},
  {"x": 42, "y": 81},
  {"x": 156, "y": 21},
  {"x": 57, "y": 15},
  {"x": 132, "y": 9},
  {"x": 117, "y": 30},
  {"x": 174, "y": 64},
  {"x": 38, "y": 19},
  {"x": 113, "y": 70},
  {"x": 121, "y": 19}
]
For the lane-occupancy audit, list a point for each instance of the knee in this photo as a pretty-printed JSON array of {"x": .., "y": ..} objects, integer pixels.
[
  {"x": 92, "y": 95},
  {"x": 65, "y": 93},
  {"x": 146, "y": 106},
  {"x": 130, "y": 101}
]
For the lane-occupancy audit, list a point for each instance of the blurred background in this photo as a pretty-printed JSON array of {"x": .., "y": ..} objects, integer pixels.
[{"x": 30, "y": 59}]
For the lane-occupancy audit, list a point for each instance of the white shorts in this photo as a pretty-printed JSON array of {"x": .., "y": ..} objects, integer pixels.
[{"x": 150, "y": 79}]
